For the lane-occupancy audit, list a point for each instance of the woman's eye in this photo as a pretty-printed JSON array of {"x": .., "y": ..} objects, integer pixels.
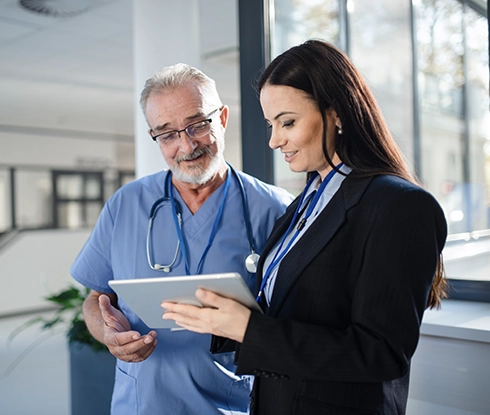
[{"x": 288, "y": 124}]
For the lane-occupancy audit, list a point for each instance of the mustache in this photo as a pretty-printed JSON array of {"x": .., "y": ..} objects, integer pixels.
[{"x": 195, "y": 154}]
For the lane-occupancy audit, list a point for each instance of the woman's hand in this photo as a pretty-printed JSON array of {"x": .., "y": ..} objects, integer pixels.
[{"x": 220, "y": 316}]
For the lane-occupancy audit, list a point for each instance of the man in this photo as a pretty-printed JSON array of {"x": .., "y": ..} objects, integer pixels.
[{"x": 198, "y": 226}]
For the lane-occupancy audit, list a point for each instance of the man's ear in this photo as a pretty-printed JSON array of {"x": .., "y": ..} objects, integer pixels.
[{"x": 225, "y": 112}]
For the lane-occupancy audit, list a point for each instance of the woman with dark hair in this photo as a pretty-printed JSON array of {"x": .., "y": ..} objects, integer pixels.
[{"x": 349, "y": 269}]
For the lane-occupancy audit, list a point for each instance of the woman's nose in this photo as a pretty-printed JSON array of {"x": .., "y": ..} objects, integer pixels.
[{"x": 275, "y": 141}]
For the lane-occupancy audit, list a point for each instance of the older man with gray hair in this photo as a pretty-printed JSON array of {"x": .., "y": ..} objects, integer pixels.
[{"x": 200, "y": 209}]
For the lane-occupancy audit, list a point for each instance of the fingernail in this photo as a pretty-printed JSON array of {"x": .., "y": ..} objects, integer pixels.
[{"x": 148, "y": 339}]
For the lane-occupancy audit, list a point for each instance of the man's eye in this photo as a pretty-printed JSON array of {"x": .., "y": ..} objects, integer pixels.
[
  {"x": 167, "y": 136},
  {"x": 200, "y": 126}
]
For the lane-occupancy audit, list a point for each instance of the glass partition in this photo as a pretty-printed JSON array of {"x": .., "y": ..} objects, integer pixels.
[
  {"x": 34, "y": 197},
  {"x": 380, "y": 47},
  {"x": 427, "y": 64},
  {"x": 5, "y": 201},
  {"x": 452, "y": 43},
  {"x": 293, "y": 22}
]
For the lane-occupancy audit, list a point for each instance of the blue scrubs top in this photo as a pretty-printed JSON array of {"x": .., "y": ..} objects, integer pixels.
[{"x": 181, "y": 376}]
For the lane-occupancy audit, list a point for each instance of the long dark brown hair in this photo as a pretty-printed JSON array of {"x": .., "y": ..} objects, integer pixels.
[{"x": 330, "y": 79}]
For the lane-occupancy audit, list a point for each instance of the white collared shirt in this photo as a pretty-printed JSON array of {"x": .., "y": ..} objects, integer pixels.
[{"x": 332, "y": 187}]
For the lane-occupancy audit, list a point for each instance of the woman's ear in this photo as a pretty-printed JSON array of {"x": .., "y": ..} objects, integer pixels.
[{"x": 333, "y": 117}]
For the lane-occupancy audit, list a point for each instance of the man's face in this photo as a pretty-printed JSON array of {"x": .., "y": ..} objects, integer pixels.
[{"x": 191, "y": 160}]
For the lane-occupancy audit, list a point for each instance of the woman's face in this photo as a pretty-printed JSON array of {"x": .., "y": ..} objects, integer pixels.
[{"x": 297, "y": 128}]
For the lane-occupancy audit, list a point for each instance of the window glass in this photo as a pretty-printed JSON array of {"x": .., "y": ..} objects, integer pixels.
[
  {"x": 438, "y": 114},
  {"x": 92, "y": 212},
  {"x": 295, "y": 21},
  {"x": 452, "y": 45},
  {"x": 380, "y": 47},
  {"x": 292, "y": 23},
  {"x": 478, "y": 118},
  {"x": 5, "y": 201},
  {"x": 70, "y": 215},
  {"x": 69, "y": 186},
  {"x": 440, "y": 82},
  {"x": 93, "y": 186},
  {"x": 33, "y": 199}
]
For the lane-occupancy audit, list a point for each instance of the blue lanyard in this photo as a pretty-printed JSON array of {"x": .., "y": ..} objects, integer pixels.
[
  {"x": 214, "y": 230},
  {"x": 310, "y": 203}
]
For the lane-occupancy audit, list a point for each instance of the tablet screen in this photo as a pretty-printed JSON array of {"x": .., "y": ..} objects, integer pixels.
[{"x": 144, "y": 295}]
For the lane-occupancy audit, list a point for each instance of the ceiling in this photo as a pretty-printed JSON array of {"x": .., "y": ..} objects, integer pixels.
[
  {"x": 58, "y": 72},
  {"x": 73, "y": 76}
]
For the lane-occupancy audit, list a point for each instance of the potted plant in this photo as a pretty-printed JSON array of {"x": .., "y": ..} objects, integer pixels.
[{"x": 91, "y": 364}]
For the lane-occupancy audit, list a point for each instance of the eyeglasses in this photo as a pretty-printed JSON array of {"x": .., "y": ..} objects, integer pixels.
[{"x": 195, "y": 130}]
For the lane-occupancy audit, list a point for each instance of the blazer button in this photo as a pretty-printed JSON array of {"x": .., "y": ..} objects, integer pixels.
[
  {"x": 274, "y": 376},
  {"x": 265, "y": 374},
  {"x": 256, "y": 372},
  {"x": 285, "y": 377}
]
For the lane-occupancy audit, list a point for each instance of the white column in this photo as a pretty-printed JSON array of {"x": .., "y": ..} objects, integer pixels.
[{"x": 165, "y": 32}]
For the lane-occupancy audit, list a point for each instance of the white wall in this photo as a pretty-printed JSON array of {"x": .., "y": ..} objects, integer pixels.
[
  {"x": 451, "y": 366},
  {"x": 36, "y": 264}
]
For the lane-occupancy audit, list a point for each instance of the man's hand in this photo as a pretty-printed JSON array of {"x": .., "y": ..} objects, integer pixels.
[{"x": 122, "y": 342}]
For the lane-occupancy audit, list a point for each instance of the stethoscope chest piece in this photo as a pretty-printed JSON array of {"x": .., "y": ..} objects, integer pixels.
[{"x": 251, "y": 262}]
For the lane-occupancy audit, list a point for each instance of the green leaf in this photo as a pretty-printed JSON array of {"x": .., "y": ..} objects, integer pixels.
[{"x": 69, "y": 302}]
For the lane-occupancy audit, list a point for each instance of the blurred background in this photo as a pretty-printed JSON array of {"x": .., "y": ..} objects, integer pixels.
[{"x": 72, "y": 132}]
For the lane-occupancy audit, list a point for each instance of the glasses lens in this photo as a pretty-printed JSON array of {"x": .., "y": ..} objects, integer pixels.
[
  {"x": 166, "y": 137},
  {"x": 198, "y": 129}
]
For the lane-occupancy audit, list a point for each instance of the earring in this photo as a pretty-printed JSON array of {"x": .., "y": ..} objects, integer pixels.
[{"x": 340, "y": 131}]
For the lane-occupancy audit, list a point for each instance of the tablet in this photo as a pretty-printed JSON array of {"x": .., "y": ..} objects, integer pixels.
[{"x": 144, "y": 295}]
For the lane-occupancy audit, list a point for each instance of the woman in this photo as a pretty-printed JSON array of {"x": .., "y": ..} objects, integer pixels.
[{"x": 349, "y": 269}]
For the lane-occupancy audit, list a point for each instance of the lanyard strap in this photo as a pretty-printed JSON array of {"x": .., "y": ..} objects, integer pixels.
[
  {"x": 310, "y": 203},
  {"x": 214, "y": 230}
]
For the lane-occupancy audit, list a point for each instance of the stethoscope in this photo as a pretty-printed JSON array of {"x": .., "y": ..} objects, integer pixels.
[{"x": 250, "y": 262}]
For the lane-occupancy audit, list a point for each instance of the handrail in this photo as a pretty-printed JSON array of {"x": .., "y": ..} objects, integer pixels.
[{"x": 7, "y": 237}]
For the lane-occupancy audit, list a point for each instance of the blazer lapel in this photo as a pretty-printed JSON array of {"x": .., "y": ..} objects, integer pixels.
[{"x": 315, "y": 239}]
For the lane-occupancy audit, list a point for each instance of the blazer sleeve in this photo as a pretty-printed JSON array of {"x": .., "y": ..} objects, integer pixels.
[{"x": 389, "y": 298}]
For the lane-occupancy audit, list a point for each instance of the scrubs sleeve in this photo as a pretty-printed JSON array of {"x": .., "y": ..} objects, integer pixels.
[{"x": 92, "y": 267}]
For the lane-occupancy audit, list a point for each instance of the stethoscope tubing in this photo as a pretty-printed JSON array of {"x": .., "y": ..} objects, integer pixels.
[{"x": 251, "y": 259}]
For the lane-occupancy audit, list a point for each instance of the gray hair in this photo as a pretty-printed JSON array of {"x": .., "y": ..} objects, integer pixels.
[{"x": 177, "y": 76}]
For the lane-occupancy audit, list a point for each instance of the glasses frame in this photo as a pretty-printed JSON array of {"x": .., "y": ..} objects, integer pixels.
[{"x": 208, "y": 118}]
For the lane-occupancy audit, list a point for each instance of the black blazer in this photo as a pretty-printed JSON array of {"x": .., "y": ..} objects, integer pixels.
[{"x": 347, "y": 305}]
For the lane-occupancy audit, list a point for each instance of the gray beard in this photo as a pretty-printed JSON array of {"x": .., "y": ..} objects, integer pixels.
[{"x": 199, "y": 175}]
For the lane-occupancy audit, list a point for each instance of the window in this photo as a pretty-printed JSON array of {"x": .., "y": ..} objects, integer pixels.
[
  {"x": 295, "y": 21},
  {"x": 452, "y": 51},
  {"x": 427, "y": 62},
  {"x": 78, "y": 198}
]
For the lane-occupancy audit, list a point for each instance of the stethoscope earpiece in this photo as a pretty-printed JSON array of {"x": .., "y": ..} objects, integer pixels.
[{"x": 164, "y": 268}]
